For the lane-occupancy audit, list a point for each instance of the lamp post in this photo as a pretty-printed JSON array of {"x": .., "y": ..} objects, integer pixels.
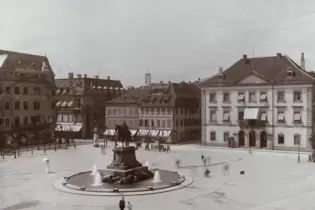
[{"x": 299, "y": 142}]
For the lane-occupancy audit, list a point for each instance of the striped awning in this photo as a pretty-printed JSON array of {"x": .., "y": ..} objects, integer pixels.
[
  {"x": 153, "y": 133},
  {"x": 110, "y": 132},
  {"x": 69, "y": 127},
  {"x": 165, "y": 134},
  {"x": 143, "y": 132}
]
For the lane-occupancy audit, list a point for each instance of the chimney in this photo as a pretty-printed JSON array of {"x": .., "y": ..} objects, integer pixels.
[
  {"x": 79, "y": 76},
  {"x": 279, "y": 55},
  {"x": 302, "y": 61},
  {"x": 96, "y": 77},
  {"x": 85, "y": 75},
  {"x": 108, "y": 77},
  {"x": 70, "y": 75},
  {"x": 245, "y": 57},
  {"x": 161, "y": 82}
]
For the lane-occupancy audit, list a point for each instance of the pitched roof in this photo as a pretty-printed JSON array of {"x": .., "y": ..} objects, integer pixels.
[
  {"x": 12, "y": 60},
  {"x": 270, "y": 69},
  {"x": 162, "y": 95},
  {"x": 90, "y": 82}
]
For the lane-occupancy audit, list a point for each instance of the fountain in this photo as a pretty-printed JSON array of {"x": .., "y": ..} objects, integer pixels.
[
  {"x": 94, "y": 170},
  {"x": 124, "y": 175},
  {"x": 97, "y": 180},
  {"x": 157, "y": 177}
]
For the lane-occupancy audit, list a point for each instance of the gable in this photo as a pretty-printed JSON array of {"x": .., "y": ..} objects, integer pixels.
[{"x": 252, "y": 79}]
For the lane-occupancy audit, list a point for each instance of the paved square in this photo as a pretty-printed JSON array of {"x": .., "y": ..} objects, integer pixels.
[{"x": 272, "y": 181}]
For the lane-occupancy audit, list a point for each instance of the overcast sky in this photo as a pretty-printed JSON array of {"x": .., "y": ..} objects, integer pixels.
[{"x": 173, "y": 39}]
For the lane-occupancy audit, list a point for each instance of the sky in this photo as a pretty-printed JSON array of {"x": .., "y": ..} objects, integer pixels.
[{"x": 175, "y": 40}]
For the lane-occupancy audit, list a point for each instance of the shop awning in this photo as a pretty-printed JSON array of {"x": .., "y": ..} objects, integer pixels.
[
  {"x": 133, "y": 132},
  {"x": 110, "y": 132},
  {"x": 165, "y": 134},
  {"x": 251, "y": 114},
  {"x": 143, "y": 132},
  {"x": 153, "y": 133},
  {"x": 69, "y": 127}
]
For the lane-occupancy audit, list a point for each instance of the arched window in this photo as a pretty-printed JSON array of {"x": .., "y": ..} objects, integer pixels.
[{"x": 297, "y": 139}]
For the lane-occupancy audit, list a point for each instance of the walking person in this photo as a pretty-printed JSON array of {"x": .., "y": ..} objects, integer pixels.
[
  {"x": 226, "y": 169},
  {"x": 204, "y": 161},
  {"x": 129, "y": 206},
  {"x": 122, "y": 204},
  {"x": 202, "y": 157}
]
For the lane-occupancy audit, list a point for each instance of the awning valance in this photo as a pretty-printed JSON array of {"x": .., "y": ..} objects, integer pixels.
[
  {"x": 251, "y": 114},
  {"x": 110, "y": 132}
]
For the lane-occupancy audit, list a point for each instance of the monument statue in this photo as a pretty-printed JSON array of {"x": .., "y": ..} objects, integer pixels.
[{"x": 123, "y": 134}]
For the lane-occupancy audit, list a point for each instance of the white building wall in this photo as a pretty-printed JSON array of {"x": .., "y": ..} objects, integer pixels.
[{"x": 288, "y": 129}]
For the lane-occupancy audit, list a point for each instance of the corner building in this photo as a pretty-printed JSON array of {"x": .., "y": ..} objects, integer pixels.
[{"x": 264, "y": 102}]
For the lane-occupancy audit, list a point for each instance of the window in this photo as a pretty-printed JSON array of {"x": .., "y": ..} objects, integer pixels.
[
  {"x": 163, "y": 124},
  {"x": 17, "y": 90},
  {"x": 263, "y": 116},
  {"x": 280, "y": 96},
  {"x": 297, "y": 116},
  {"x": 36, "y": 105},
  {"x": 263, "y": 97},
  {"x": 226, "y": 97},
  {"x": 7, "y": 90},
  {"x": 240, "y": 115},
  {"x": 152, "y": 123},
  {"x": 297, "y": 139},
  {"x": 169, "y": 123},
  {"x": 226, "y": 136},
  {"x": 7, "y": 123},
  {"x": 297, "y": 96},
  {"x": 213, "y": 116},
  {"x": 280, "y": 138},
  {"x": 212, "y": 98},
  {"x": 25, "y": 120},
  {"x": 252, "y": 97},
  {"x": 36, "y": 90},
  {"x": 25, "y": 90},
  {"x": 280, "y": 116},
  {"x": 17, "y": 105},
  {"x": 212, "y": 136},
  {"x": 7, "y": 106},
  {"x": 241, "y": 97},
  {"x": 158, "y": 123},
  {"x": 226, "y": 116},
  {"x": 17, "y": 121}
]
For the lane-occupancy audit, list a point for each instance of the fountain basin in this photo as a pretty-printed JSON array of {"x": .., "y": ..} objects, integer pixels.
[{"x": 82, "y": 183}]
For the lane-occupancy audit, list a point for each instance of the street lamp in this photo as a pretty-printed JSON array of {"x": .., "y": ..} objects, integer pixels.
[{"x": 299, "y": 143}]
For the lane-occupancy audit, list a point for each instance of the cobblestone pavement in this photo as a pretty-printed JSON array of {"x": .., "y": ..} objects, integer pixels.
[{"x": 271, "y": 181}]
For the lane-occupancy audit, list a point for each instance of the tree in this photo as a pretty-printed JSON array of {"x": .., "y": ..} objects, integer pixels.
[{"x": 312, "y": 143}]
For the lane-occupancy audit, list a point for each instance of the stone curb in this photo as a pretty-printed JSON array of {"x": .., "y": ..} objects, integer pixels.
[{"x": 58, "y": 184}]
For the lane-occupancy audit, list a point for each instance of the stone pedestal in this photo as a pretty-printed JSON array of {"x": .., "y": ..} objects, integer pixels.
[{"x": 125, "y": 162}]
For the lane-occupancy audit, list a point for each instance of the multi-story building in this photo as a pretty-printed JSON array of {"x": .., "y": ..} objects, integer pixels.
[
  {"x": 27, "y": 89},
  {"x": 167, "y": 110},
  {"x": 264, "y": 102},
  {"x": 81, "y": 103}
]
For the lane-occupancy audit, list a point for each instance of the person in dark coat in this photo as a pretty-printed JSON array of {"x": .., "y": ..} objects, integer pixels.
[{"x": 122, "y": 203}]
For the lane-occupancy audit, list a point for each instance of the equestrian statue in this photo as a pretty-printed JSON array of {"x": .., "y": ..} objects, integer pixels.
[{"x": 123, "y": 134}]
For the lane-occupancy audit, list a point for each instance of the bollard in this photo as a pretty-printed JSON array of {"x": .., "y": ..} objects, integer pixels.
[
  {"x": 55, "y": 146},
  {"x": 18, "y": 151},
  {"x": 3, "y": 154},
  {"x": 38, "y": 146},
  {"x": 74, "y": 145},
  {"x": 32, "y": 151},
  {"x": 44, "y": 148},
  {"x": 66, "y": 145},
  {"x": 14, "y": 153}
]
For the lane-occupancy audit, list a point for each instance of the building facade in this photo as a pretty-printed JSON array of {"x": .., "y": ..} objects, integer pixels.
[
  {"x": 166, "y": 110},
  {"x": 262, "y": 102},
  {"x": 80, "y": 103},
  {"x": 27, "y": 91}
]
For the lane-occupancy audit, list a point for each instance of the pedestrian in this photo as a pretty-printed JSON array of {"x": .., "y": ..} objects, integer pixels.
[
  {"x": 122, "y": 203},
  {"x": 204, "y": 161},
  {"x": 129, "y": 206},
  {"x": 226, "y": 169},
  {"x": 207, "y": 172},
  {"x": 202, "y": 157},
  {"x": 177, "y": 163}
]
